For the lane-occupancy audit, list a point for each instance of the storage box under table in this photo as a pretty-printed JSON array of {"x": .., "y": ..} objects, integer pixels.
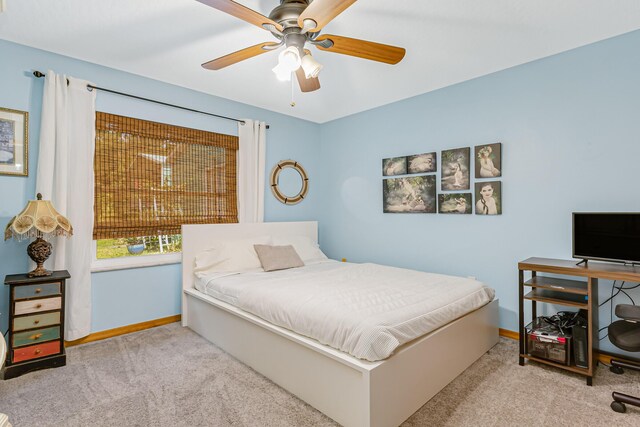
[{"x": 545, "y": 343}]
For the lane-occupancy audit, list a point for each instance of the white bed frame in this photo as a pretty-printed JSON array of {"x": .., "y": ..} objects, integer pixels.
[{"x": 353, "y": 392}]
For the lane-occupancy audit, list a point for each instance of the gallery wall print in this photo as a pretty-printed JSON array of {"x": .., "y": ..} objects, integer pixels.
[
  {"x": 488, "y": 160},
  {"x": 455, "y": 169},
  {"x": 455, "y": 203},
  {"x": 422, "y": 163},
  {"x": 394, "y": 166},
  {"x": 14, "y": 142},
  {"x": 489, "y": 198},
  {"x": 416, "y": 194}
]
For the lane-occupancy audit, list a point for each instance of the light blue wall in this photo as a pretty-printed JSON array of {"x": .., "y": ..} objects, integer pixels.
[
  {"x": 570, "y": 130},
  {"x": 131, "y": 296}
]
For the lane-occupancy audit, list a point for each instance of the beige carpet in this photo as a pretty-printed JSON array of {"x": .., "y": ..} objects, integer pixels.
[{"x": 169, "y": 376}]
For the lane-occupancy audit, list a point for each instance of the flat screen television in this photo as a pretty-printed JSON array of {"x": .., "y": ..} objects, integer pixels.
[{"x": 607, "y": 236}]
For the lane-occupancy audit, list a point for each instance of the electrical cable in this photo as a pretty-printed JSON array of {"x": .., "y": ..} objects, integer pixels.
[
  {"x": 620, "y": 289},
  {"x": 563, "y": 320},
  {"x": 609, "y": 299},
  {"x": 628, "y": 296},
  {"x": 611, "y": 302}
]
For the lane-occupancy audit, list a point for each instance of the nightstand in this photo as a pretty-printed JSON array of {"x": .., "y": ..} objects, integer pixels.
[{"x": 36, "y": 323}]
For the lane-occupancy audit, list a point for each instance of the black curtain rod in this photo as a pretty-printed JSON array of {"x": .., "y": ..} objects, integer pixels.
[{"x": 39, "y": 74}]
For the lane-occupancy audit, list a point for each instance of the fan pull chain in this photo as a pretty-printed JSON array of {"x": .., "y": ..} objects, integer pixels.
[{"x": 293, "y": 102}]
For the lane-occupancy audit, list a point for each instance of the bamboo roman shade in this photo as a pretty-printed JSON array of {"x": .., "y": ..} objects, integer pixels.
[{"x": 150, "y": 178}]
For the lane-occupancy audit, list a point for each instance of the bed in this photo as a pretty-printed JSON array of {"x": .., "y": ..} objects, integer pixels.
[{"x": 350, "y": 390}]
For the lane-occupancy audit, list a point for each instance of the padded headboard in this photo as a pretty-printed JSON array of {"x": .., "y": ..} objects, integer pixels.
[{"x": 196, "y": 238}]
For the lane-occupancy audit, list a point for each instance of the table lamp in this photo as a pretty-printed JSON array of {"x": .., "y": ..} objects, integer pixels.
[{"x": 41, "y": 220}]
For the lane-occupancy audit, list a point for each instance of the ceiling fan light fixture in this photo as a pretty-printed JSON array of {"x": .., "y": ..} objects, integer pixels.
[
  {"x": 310, "y": 66},
  {"x": 283, "y": 74},
  {"x": 296, "y": 24},
  {"x": 289, "y": 59}
]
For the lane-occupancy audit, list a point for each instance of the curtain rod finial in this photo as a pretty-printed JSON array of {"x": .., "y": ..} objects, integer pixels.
[{"x": 38, "y": 74}]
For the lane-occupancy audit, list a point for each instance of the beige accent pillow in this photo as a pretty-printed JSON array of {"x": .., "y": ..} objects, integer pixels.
[{"x": 278, "y": 257}]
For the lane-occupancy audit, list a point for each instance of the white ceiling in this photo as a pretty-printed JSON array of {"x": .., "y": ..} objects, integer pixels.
[{"x": 447, "y": 41}]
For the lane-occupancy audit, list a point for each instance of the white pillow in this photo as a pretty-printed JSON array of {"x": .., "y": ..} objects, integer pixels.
[
  {"x": 230, "y": 255},
  {"x": 306, "y": 248}
]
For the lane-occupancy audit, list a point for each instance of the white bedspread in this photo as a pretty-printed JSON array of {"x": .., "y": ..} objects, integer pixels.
[{"x": 366, "y": 310}]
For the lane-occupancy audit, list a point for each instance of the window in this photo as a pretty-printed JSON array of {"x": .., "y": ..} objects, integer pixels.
[{"x": 150, "y": 178}]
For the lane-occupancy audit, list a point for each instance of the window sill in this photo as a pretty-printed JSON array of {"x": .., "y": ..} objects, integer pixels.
[{"x": 126, "y": 263}]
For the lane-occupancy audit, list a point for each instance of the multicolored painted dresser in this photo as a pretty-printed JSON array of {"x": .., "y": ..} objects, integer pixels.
[{"x": 36, "y": 323}]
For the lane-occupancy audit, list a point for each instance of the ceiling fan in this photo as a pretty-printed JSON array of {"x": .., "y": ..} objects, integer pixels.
[{"x": 296, "y": 24}]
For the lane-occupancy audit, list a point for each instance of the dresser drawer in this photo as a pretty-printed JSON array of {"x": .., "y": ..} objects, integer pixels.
[
  {"x": 37, "y": 335},
  {"x": 35, "y": 321},
  {"x": 38, "y": 305},
  {"x": 32, "y": 291},
  {"x": 35, "y": 351}
]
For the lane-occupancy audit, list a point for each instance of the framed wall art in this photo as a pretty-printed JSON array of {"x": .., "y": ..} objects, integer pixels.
[
  {"x": 422, "y": 163},
  {"x": 488, "y": 160},
  {"x": 416, "y": 194},
  {"x": 489, "y": 198},
  {"x": 455, "y": 203},
  {"x": 455, "y": 169},
  {"x": 14, "y": 142},
  {"x": 394, "y": 166}
]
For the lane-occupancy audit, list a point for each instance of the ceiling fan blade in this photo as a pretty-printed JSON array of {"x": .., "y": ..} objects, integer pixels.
[
  {"x": 241, "y": 55},
  {"x": 363, "y": 49},
  {"x": 322, "y": 12},
  {"x": 241, "y": 12},
  {"x": 307, "y": 85}
]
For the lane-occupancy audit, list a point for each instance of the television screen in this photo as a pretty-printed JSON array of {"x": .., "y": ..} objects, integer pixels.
[{"x": 607, "y": 236}]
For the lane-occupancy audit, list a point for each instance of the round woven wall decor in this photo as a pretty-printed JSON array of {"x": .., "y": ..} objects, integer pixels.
[{"x": 275, "y": 176}]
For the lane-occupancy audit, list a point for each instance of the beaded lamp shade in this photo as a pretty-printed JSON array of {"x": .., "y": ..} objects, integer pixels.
[{"x": 41, "y": 220}]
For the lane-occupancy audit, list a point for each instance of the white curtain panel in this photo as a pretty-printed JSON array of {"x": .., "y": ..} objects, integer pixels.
[
  {"x": 65, "y": 176},
  {"x": 251, "y": 163}
]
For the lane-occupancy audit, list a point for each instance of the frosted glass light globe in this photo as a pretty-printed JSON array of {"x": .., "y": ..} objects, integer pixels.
[
  {"x": 282, "y": 73},
  {"x": 289, "y": 59},
  {"x": 310, "y": 66}
]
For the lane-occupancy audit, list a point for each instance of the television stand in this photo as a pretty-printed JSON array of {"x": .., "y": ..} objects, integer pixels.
[
  {"x": 577, "y": 289},
  {"x": 585, "y": 261}
]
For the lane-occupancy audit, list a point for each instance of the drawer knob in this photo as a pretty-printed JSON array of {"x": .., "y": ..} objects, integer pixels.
[
  {"x": 38, "y": 351},
  {"x": 38, "y": 305},
  {"x": 35, "y": 336},
  {"x": 38, "y": 290},
  {"x": 35, "y": 322}
]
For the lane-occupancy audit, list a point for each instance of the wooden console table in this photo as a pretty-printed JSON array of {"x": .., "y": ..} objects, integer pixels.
[{"x": 581, "y": 294}]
